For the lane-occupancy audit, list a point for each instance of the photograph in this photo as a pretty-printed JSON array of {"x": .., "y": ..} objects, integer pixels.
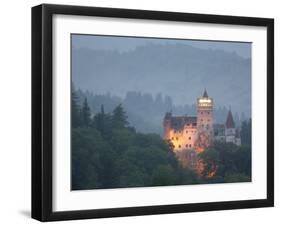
[
  {"x": 150, "y": 111},
  {"x": 140, "y": 112}
]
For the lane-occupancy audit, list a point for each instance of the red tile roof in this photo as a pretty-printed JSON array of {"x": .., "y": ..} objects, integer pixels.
[{"x": 229, "y": 121}]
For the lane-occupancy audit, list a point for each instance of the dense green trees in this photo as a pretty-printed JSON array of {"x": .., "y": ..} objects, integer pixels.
[
  {"x": 85, "y": 114},
  {"x": 246, "y": 132},
  {"x": 75, "y": 117},
  {"x": 108, "y": 153},
  {"x": 119, "y": 117},
  {"x": 231, "y": 163}
]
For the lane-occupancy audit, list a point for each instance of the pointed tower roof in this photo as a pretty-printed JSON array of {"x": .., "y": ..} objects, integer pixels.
[
  {"x": 168, "y": 115},
  {"x": 205, "y": 94},
  {"x": 229, "y": 121}
]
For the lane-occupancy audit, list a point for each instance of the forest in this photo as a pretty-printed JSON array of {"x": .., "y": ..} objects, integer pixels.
[{"x": 108, "y": 152}]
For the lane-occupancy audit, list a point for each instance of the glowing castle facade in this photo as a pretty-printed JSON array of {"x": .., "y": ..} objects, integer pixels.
[{"x": 193, "y": 134}]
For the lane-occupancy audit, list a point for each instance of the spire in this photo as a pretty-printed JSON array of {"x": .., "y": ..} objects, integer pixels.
[
  {"x": 205, "y": 94},
  {"x": 168, "y": 115},
  {"x": 229, "y": 121}
]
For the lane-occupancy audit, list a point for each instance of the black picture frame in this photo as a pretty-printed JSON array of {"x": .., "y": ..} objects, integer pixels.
[{"x": 42, "y": 107}]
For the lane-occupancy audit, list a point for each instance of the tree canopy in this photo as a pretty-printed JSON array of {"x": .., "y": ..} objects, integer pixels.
[
  {"x": 228, "y": 162},
  {"x": 107, "y": 152}
]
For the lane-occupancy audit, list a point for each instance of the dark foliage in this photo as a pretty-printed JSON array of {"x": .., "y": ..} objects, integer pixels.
[
  {"x": 75, "y": 117},
  {"x": 246, "y": 132},
  {"x": 85, "y": 114},
  {"x": 108, "y": 153},
  {"x": 231, "y": 163}
]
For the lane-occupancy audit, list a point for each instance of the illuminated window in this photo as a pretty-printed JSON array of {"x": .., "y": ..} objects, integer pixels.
[
  {"x": 179, "y": 146},
  {"x": 177, "y": 138},
  {"x": 172, "y": 138}
]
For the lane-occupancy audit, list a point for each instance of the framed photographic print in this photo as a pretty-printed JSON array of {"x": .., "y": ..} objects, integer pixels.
[{"x": 145, "y": 112}]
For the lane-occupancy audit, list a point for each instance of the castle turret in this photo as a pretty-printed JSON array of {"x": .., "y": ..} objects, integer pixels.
[
  {"x": 205, "y": 121},
  {"x": 230, "y": 131},
  {"x": 205, "y": 113}
]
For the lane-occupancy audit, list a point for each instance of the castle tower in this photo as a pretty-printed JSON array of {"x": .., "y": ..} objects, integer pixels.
[
  {"x": 205, "y": 121},
  {"x": 205, "y": 113},
  {"x": 230, "y": 131}
]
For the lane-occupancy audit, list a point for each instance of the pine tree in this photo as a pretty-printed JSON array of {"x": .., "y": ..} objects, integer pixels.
[
  {"x": 246, "y": 132},
  {"x": 86, "y": 113},
  {"x": 75, "y": 116},
  {"x": 103, "y": 123},
  {"x": 99, "y": 120},
  {"x": 119, "y": 117},
  {"x": 102, "y": 109}
]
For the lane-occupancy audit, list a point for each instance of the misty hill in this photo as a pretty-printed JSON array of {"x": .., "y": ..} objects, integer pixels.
[{"x": 176, "y": 70}]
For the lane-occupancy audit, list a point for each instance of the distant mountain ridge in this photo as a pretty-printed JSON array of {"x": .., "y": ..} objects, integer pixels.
[{"x": 179, "y": 71}]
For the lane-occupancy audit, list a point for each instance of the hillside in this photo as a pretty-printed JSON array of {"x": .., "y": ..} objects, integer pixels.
[{"x": 179, "y": 71}]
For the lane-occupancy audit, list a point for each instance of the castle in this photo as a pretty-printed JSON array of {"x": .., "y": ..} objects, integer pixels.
[{"x": 191, "y": 135}]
